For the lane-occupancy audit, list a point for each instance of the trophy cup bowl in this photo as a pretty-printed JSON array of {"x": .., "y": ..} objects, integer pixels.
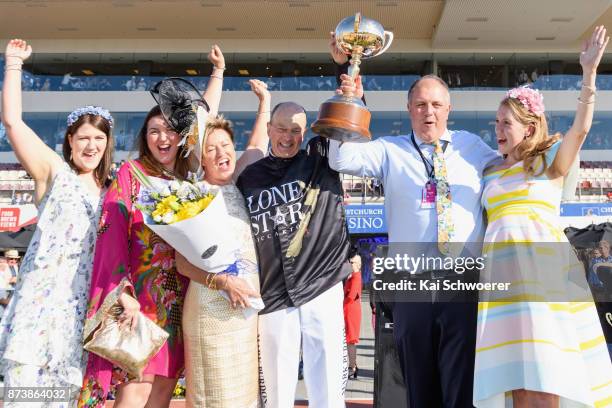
[{"x": 345, "y": 117}]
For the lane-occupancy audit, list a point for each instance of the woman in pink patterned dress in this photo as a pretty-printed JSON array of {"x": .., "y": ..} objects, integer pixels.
[{"x": 130, "y": 254}]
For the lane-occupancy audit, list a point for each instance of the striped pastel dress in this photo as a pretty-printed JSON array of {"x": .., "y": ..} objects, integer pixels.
[{"x": 543, "y": 334}]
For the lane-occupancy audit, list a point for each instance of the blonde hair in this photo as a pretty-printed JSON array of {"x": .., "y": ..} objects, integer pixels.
[
  {"x": 219, "y": 122},
  {"x": 532, "y": 150},
  {"x": 212, "y": 124}
]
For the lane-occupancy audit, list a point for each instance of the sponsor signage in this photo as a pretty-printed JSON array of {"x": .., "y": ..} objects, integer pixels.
[
  {"x": 370, "y": 219},
  {"x": 366, "y": 219},
  {"x": 13, "y": 218},
  {"x": 586, "y": 209},
  {"x": 9, "y": 218}
]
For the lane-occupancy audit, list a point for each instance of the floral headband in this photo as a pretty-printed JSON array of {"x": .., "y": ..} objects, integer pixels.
[
  {"x": 531, "y": 99},
  {"x": 89, "y": 110}
]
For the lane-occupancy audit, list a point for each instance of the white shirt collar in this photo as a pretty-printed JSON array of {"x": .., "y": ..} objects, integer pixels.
[{"x": 446, "y": 137}]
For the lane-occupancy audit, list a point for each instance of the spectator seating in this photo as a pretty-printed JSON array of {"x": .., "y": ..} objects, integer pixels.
[
  {"x": 594, "y": 184},
  {"x": 595, "y": 181},
  {"x": 13, "y": 177}
]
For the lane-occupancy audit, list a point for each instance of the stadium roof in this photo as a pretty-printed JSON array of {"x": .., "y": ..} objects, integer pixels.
[{"x": 287, "y": 25}]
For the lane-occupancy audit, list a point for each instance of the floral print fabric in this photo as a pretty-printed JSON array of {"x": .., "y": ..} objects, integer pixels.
[
  {"x": 48, "y": 308},
  {"x": 127, "y": 248}
]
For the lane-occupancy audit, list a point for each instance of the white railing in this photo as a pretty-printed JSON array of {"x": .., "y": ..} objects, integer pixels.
[{"x": 362, "y": 189}]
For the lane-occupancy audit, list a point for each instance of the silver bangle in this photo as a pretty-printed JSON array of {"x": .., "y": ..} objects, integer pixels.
[
  {"x": 220, "y": 69},
  {"x": 586, "y": 103},
  {"x": 13, "y": 65},
  {"x": 262, "y": 113},
  {"x": 12, "y": 69},
  {"x": 216, "y": 76},
  {"x": 590, "y": 88}
]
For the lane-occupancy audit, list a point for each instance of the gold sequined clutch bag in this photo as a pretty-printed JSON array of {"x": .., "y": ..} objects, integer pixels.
[{"x": 126, "y": 349}]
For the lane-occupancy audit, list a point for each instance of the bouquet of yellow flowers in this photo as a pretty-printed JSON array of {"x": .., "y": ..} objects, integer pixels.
[
  {"x": 171, "y": 201},
  {"x": 188, "y": 215}
]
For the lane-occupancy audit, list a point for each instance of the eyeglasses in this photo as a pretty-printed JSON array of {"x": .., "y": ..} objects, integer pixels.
[{"x": 285, "y": 131}]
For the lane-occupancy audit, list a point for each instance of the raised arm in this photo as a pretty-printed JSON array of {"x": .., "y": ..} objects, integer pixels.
[
  {"x": 341, "y": 60},
  {"x": 212, "y": 95},
  {"x": 258, "y": 142},
  {"x": 358, "y": 159},
  {"x": 40, "y": 161},
  {"x": 590, "y": 57}
]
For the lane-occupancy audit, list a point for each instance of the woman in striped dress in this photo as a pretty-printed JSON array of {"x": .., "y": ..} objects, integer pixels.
[{"x": 540, "y": 344}]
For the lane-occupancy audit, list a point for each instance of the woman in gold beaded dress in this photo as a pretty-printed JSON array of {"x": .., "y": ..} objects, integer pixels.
[{"x": 220, "y": 342}]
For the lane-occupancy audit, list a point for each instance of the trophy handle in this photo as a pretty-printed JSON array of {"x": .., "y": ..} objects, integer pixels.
[{"x": 388, "y": 41}]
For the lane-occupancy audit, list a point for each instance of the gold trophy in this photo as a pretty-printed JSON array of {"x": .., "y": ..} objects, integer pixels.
[{"x": 345, "y": 117}]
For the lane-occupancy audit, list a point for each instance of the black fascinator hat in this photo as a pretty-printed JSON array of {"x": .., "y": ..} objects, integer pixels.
[{"x": 178, "y": 100}]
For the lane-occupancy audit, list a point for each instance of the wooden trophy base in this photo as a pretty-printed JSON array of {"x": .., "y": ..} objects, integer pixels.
[{"x": 343, "y": 121}]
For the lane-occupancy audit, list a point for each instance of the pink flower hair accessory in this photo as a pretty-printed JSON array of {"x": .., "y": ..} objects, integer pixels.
[{"x": 531, "y": 99}]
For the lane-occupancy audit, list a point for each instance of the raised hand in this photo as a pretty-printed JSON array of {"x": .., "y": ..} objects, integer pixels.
[
  {"x": 215, "y": 56},
  {"x": 593, "y": 49},
  {"x": 17, "y": 51},
  {"x": 338, "y": 56},
  {"x": 348, "y": 86},
  {"x": 260, "y": 89}
]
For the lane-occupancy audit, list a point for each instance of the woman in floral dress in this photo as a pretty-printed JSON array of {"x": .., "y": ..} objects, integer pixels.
[
  {"x": 131, "y": 255},
  {"x": 42, "y": 328}
]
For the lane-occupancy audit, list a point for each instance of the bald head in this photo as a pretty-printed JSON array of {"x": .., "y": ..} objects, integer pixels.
[
  {"x": 287, "y": 108},
  {"x": 286, "y": 129}
]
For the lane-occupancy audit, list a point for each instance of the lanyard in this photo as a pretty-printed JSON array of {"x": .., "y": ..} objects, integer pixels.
[{"x": 429, "y": 167}]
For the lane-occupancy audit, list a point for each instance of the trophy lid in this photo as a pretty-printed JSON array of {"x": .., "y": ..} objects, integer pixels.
[{"x": 357, "y": 31}]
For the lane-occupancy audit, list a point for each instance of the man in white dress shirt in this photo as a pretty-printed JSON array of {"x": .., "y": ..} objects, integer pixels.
[{"x": 435, "y": 338}]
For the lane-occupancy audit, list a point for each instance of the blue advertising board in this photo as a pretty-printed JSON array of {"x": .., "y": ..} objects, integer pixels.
[
  {"x": 366, "y": 219},
  {"x": 586, "y": 209},
  {"x": 370, "y": 219}
]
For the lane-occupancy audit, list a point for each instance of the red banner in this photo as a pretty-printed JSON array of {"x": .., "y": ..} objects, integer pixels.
[{"x": 9, "y": 219}]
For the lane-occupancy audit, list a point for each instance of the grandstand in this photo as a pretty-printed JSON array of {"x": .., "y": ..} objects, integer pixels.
[
  {"x": 117, "y": 49},
  {"x": 595, "y": 182},
  {"x": 16, "y": 186}
]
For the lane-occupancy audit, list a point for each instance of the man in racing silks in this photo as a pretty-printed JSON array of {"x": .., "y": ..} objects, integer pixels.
[{"x": 295, "y": 203}]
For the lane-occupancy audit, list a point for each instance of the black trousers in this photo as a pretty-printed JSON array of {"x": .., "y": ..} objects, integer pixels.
[{"x": 436, "y": 343}]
